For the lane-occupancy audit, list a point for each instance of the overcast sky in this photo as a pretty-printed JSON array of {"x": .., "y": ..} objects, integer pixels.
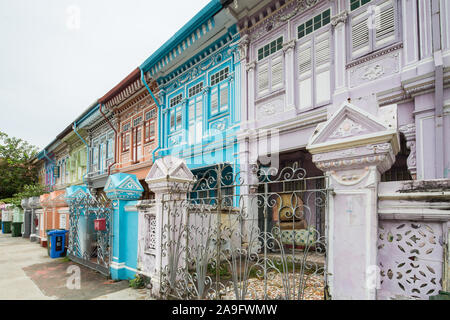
[{"x": 57, "y": 57}]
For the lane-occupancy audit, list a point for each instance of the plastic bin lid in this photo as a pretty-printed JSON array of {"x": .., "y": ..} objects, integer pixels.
[{"x": 57, "y": 232}]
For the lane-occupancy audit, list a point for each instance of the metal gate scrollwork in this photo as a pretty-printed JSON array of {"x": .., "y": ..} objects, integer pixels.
[
  {"x": 229, "y": 239},
  {"x": 88, "y": 246}
]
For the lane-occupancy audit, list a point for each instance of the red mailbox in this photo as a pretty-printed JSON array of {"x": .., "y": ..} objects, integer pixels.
[{"x": 100, "y": 224}]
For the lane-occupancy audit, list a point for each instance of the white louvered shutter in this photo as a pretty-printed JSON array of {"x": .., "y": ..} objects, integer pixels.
[
  {"x": 263, "y": 78},
  {"x": 277, "y": 72},
  {"x": 322, "y": 57},
  {"x": 191, "y": 130},
  {"x": 199, "y": 119},
  {"x": 179, "y": 118},
  {"x": 305, "y": 74},
  {"x": 224, "y": 97},
  {"x": 385, "y": 23},
  {"x": 360, "y": 38}
]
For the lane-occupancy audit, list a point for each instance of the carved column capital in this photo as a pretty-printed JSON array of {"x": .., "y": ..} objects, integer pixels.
[
  {"x": 231, "y": 77},
  {"x": 339, "y": 18},
  {"x": 243, "y": 46},
  {"x": 290, "y": 45},
  {"x": 251, "y": 66},
  {"x": 409, "y": 130},
  {"x": 206, "y": 90}
]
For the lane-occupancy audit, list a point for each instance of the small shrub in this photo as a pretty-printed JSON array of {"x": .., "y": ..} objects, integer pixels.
[
  {"x": 139, "y": 282},
  {"x": 223, "y": 270}
]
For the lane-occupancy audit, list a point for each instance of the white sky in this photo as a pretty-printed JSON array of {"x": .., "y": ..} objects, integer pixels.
[{"x": 53, "y": 65}]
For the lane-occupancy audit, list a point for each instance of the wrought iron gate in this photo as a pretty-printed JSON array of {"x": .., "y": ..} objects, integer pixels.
[
  {"x": 230, "y": 239},
  {"x": 88, "y": 246}
]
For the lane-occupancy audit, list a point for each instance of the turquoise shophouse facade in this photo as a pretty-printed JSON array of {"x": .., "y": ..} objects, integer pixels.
[{"x": 198, "y": 77}]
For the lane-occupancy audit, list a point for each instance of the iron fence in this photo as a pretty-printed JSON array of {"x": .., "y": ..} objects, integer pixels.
[{"x": 229, "y": 239}]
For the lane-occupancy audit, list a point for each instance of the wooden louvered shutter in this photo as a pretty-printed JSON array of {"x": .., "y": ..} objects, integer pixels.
[
  {"x": 263, "y": 78},
  {"x": 305, "y": 74},
  {"x": 360, "y": 37},
  {"x": 214, "y": 101},
  {"x": 277, "y": 73},
  {"x": 322, "y": 58},
  {"x": 385, "y": 23}
]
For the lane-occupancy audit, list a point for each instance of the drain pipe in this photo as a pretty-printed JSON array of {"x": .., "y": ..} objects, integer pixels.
[
  {"x": 159, "y": 114},
  {"x": 74, "y": 127},
  {"x": 115, "y": 139}
]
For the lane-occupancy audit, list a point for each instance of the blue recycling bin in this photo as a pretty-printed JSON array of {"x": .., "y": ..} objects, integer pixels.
[{"x": 56, "y": 243}]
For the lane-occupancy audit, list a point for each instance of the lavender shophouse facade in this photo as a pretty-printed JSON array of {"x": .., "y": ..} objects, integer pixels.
[{"x": 357, "y": 92}]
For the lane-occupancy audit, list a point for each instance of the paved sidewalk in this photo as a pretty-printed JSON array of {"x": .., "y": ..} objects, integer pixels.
[{"x": 28, "y": 273}]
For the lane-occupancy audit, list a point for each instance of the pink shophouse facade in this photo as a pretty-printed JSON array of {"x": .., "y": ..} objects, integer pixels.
[{"x": 358, "y": 91}]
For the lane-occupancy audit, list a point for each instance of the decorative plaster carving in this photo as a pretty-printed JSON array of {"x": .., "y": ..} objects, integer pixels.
[
  {"x": 231, "y": 77},
  {"x": 267, "y": 109},
  {"x": 290, "y": 45},
  {"x": 175, "y": 140},
  {"x": 351, "y": 178},
  {"x": 302, "y": 5},
  {"x": 219, "y": 125},
  {"x": 375, "y": 150},
  {"x": 384, "y": 66},
  {"x": 150, "y": 236},
  {"x": 251, "y": 66},
  {"x": 382, "y": 161},
  {"x": 193, "y": 69},
  {"x": 373, "y": 72},
  {"x": 347, "y": 128},
  {"x": 380, "y": 147},
  {"x": 243, "y": 46},
  {"x": 270, "y": 108},
  {"x": 279, "y": 17}
]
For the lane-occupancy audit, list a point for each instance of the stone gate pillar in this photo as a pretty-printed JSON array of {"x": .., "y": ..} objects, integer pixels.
[
  {"x": 170, "y": 179},
  {"x": 46, "y": 218},
  {"x": 124, "y": 190},
  {"x": 26, "y": 218},
  {"x": 353, "y": 148},
  {"x": 35, "y": 205},
  {"x": 60, "y": 210}
]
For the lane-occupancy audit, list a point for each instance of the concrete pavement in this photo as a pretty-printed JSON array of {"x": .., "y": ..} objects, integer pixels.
[{"x": 28, "y": 273}]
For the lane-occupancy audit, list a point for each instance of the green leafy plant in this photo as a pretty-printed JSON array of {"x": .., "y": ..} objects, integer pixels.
[
  {"x": 65, "y": 259},
  {"x": 223, "y": 270},
  {"x": 139, "y": 282},
  {"x": 16, "y": 166},
  {"x": 27, "y": 191}
]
